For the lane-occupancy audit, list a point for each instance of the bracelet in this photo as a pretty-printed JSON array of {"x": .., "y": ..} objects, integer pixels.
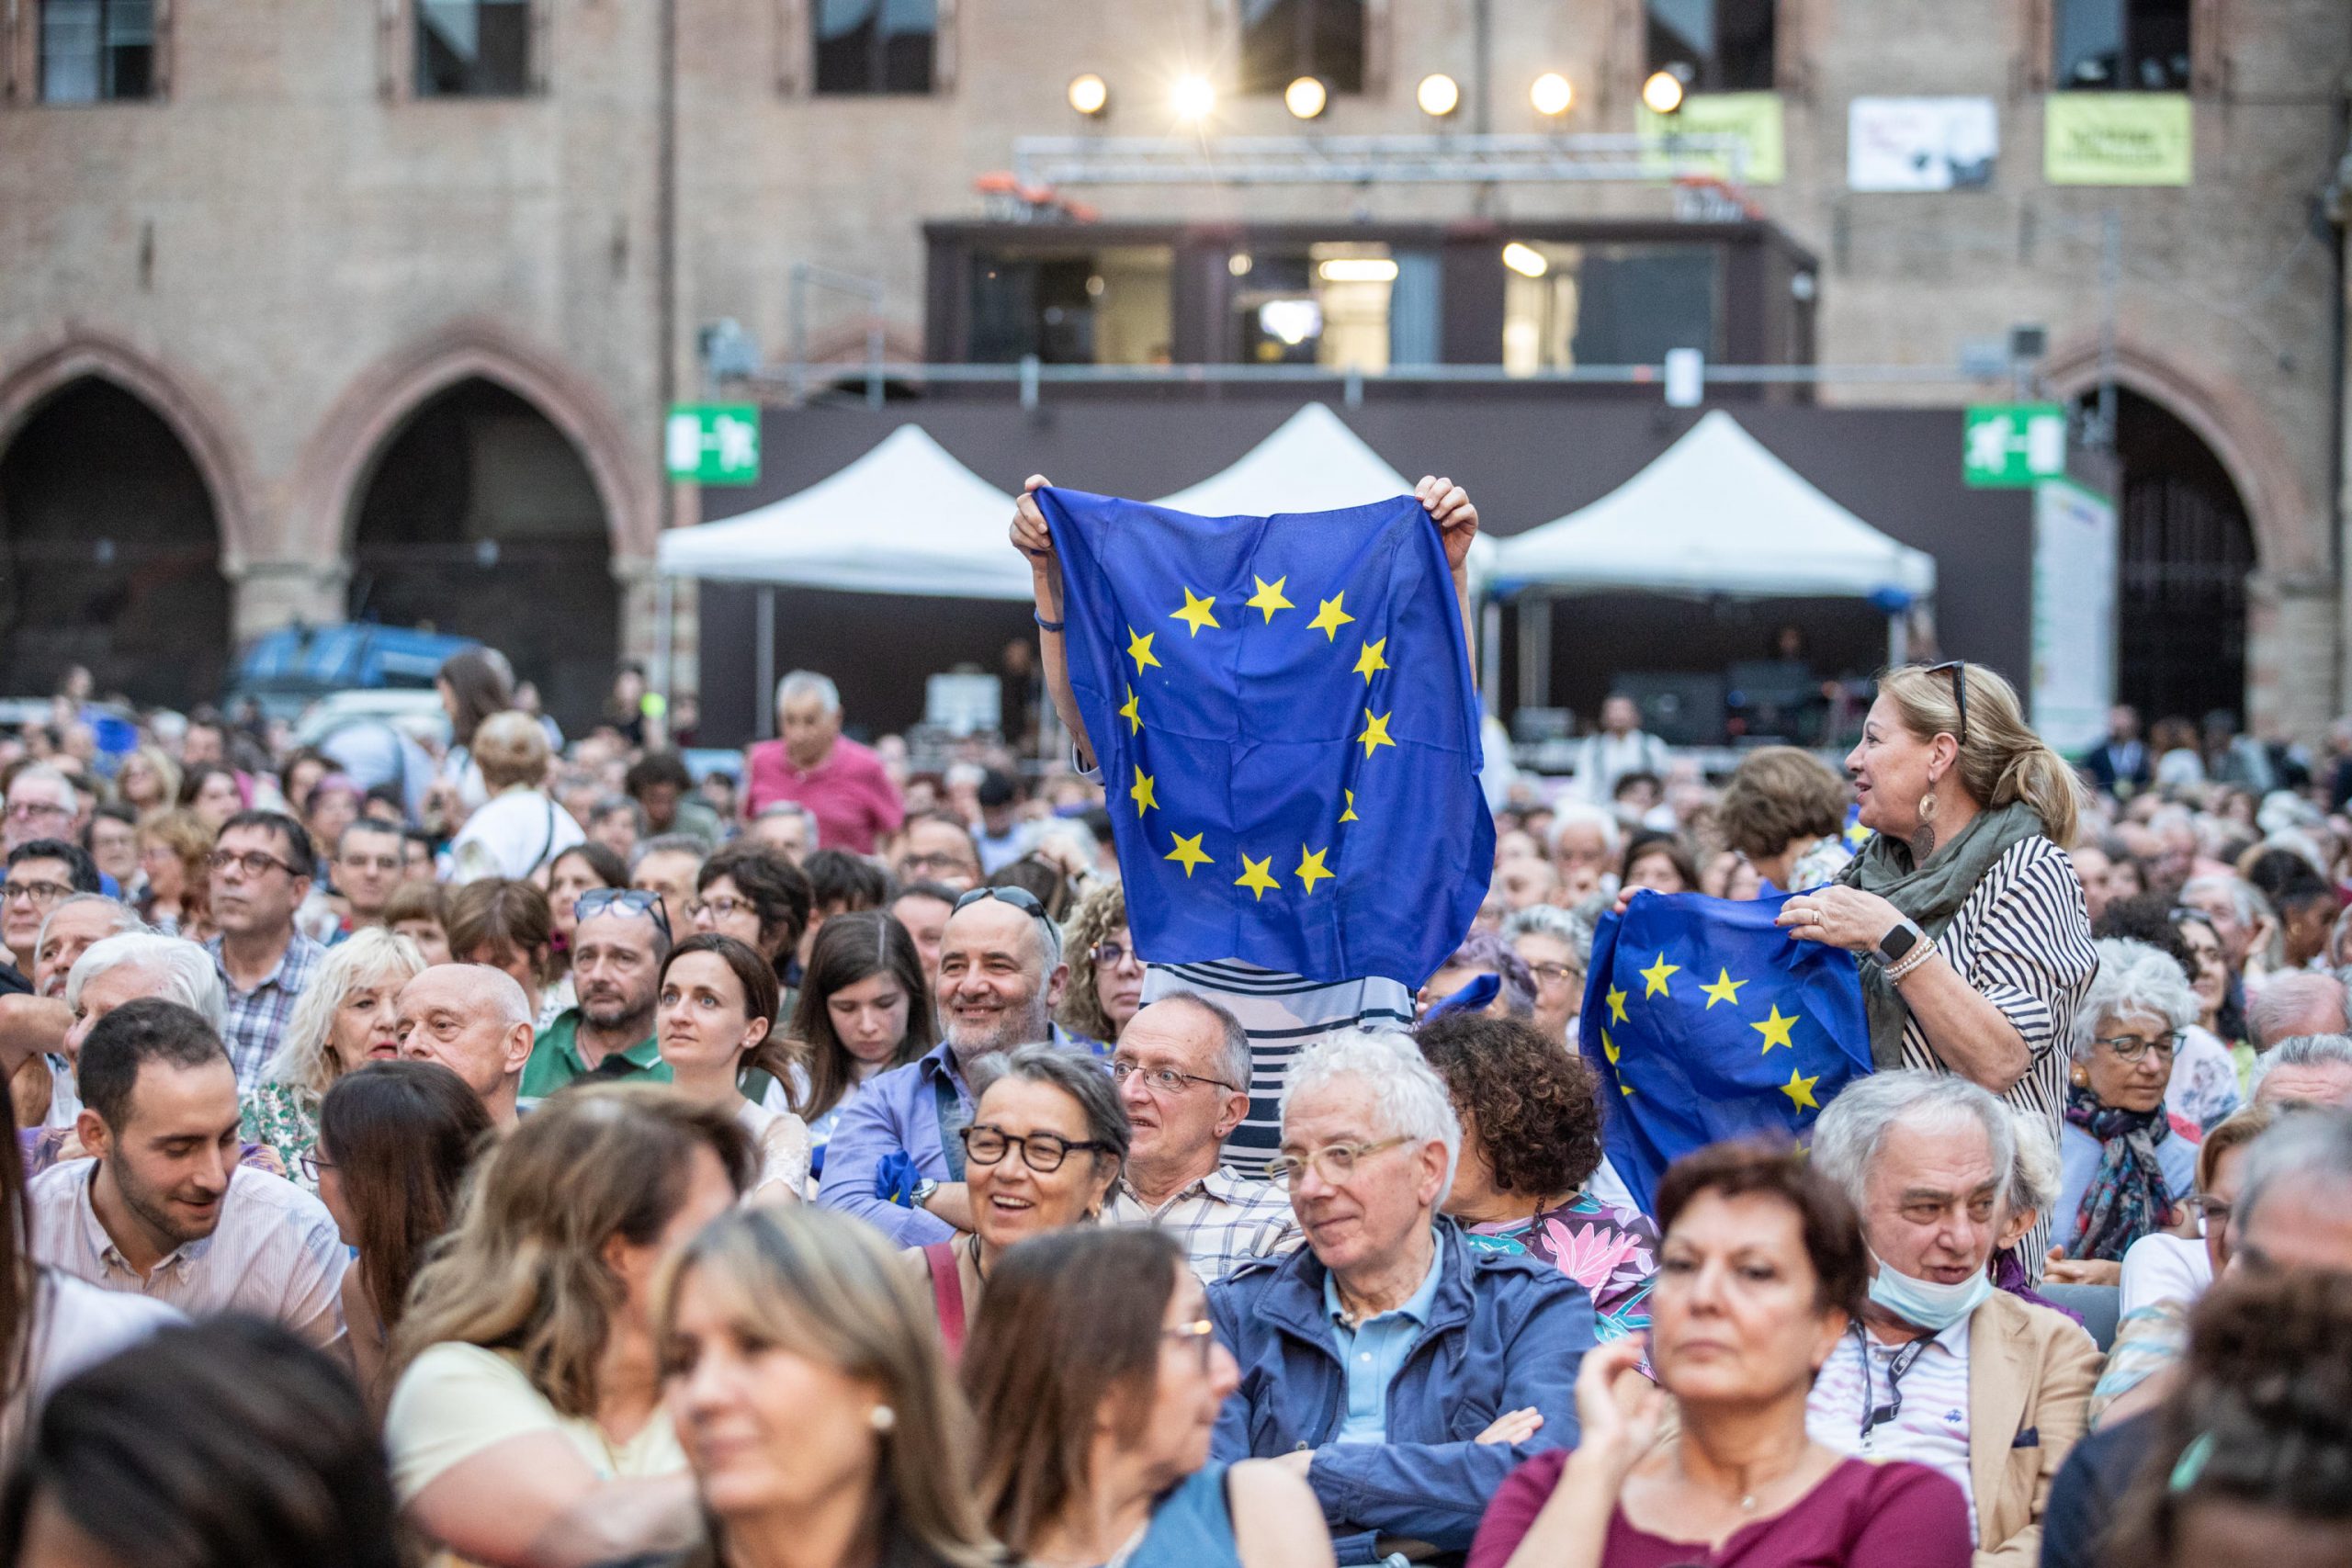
[
  {"x": 1912, "y": 960},
  {"x": 1049, "y": 625}
]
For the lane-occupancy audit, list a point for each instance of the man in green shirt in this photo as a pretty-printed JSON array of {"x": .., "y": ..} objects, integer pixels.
[{"x": 617, "y": 954}]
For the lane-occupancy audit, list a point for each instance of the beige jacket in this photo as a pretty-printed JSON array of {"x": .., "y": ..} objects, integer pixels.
[{"x": 2029, "y": 1376}]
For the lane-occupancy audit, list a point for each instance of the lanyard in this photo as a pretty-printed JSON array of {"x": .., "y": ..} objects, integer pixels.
[{"x": 1875, "y": 1414}]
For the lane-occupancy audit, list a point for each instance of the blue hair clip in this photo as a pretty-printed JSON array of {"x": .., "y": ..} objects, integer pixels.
[{"x": 2191, "y": 1463}]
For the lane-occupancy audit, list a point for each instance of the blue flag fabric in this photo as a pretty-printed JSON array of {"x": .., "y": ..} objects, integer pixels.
[
  {"x": 1288, "y": 731},
  {"x": 1706, "y": 1022}
]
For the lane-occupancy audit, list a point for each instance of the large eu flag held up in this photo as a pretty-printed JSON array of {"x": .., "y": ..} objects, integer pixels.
[
  {"x": 1707, "y": 1021},
  {"x": 1288, "y": 731}
]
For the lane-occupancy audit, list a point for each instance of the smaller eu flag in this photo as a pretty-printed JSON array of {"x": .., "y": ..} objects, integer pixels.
[
  {"x": 1706, "y": 1022},
  {"x": 1288, "y": 731}
]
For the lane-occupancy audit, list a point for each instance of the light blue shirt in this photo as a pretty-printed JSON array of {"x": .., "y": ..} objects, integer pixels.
[
  {"x": 1374, "y": 1352},
  {"x": 2078, "y": 1157}
]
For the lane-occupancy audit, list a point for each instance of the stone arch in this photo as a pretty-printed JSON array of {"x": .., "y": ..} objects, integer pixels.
[
  {"x": 334, "y": 466},
  {"x": 196, "y": 415}
]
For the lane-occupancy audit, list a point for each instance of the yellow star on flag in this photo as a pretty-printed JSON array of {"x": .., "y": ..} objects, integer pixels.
[
  {"x": 1370, "y": 660},
  {"x": 1132, "y": 712},
  {"x": 1141, "y": 793},
  {"x": 1331, "y": 618},
  {"x": 1725, "y": 989},
  {"x": 1655, "y": 975},
  {"x": 1188, "y": 853},
  {"x": 1798, "y": 1088},
  {"x": 1775, "y": 1029},
  {"x": 1255, "y": 876},
  {"x": 1350, "y": 814},
  {"x": 1268, "y": 596},
  {"x": 1195, "y": 613},
  {"x": 1139, "y": 648},
  {"x": 1609, "y": 1046},
  {"x": 1310, "y": 866},
  {"x": 1617, "y": 1005},
  {"x": 1375, "y": 733}
]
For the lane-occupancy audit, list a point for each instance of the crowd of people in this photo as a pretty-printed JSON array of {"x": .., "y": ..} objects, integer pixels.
[{"x": 550, "y": 1152}]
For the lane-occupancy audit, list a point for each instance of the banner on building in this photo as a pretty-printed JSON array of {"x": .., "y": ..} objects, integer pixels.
[
  {"x": 1921, "y": 144},
  {"x": 1752, "y": 117},
  {"x": 2074, "y": 614},
  {"x": 2116, "y": 139}
]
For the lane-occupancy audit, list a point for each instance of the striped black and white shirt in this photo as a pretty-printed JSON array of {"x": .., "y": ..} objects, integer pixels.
[{"x": 1284, "y": 1014}]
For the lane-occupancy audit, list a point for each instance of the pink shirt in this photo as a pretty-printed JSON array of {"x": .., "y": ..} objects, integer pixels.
[{"x": 852, "y": 800}]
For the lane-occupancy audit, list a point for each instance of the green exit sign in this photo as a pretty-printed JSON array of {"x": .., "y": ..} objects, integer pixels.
[
  {"x": 2013, "y": 445},
  {"x": 713, "y": 444}
]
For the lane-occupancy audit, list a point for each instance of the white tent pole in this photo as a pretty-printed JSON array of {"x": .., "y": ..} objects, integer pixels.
[
  {"x": 763, "y": 665},
  {"x": 1898, "y": 639},
  {"x": 665, "y": 614},
  {"x": 1490, "y": 654}
]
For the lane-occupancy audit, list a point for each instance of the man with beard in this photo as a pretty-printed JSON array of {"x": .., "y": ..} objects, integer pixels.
[
  {"x": 896, "y": 1156},
  {"x": 164, "y": 1210},
  {"x": 617, "y": 952}
]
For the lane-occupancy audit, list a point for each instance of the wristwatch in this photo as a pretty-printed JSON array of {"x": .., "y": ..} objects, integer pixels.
[
  {"x": 1899, "y": 941},
  {"x": 924, "y": 1189}
]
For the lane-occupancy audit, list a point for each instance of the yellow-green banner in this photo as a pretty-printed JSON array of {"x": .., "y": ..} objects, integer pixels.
[
  {"x": 2116, "y": 139},
  {"x": 1754, "y": 118}
]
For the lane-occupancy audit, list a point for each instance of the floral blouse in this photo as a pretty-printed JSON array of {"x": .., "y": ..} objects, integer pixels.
[
  {"x": 1612, "y": 1252},
  {"x": 284, "y": 1119}
]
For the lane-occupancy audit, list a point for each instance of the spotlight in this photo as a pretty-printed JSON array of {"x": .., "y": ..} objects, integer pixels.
[
  {"x": 1662, "y": 94},
  {"x": 1088, "y": 94},
  {"x": 1551, "y": 94},
  {"x": 1194, "y": 98},
  {"x": 1438, "y": 96},
  {"x": 1525, "y": 260},
  {"x": 1358, "y": 269},
  {"x": 1304, "y": 98},
  {"x": 1238, "y": 264}
]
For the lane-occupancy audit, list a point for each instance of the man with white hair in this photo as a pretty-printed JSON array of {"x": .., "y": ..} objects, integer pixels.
[
  {"x": 1585, "y": 841},
  {"x": 786, "y": 827},
  {"x": 1366, "y": 1354},
  {"x": 474, "y": 1021},
  {"x": 843, "y": 784},
  {"x": 76, "y": 925},
  {"x": 125, "y": 967},
  {"x": 2305, "y": 1070},
  {"x": 1943, "y": 1370},
  {"x": 2296, "y": 1003},
  {"x": 42, "y": 804}
]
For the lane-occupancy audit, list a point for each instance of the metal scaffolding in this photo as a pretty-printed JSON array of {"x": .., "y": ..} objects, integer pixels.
[{"x": 1048, "y": 162}]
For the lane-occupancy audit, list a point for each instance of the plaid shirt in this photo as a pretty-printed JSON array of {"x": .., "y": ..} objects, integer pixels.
[
  {"x": 257, "y": 1018},
  {"x": 1224, "y": 1220}
]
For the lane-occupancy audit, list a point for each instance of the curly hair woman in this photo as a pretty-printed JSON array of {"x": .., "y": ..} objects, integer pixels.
[
  {"x": 1530, "y": 1142},
  {"x": 1105, "y": 985}
]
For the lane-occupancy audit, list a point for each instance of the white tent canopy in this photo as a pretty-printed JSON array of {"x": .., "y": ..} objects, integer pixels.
[
  {"x": 1716, "y": 512},
  {"x": 905, "y": 518}
]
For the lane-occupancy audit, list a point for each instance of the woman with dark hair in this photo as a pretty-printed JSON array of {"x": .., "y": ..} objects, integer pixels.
[
  {"x": 395, "y": 1142},
  {"x": 714, "y": 1016},
  {"x": 756, "y": 895},
  {"x": 804, "y": 1381},
  {"x": 1659, "y": 863},
  {"x": 570, "y": 873},
  {"x": 863, "y": 1008},
  {"x": 1531, "y": 1143},
  {"x": 474, "y": 682},
  {"x": 231, "y": 1444},
  {"x": 525, "y": 1423},
  {"x": 507, "y": 926},
  {"x": 1761, "y": 1270},
  {"x": 212, "y": 793},
  {"x": 1094, "y": 1372}
]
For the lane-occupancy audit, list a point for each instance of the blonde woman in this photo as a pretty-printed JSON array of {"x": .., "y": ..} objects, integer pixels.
[
  {"x": 171, "y": 852},
  {"x": 342, "y": 1022},
  {"x": 148, "y": 781},
  {"x": 806, "y": 1384},
  {"x": 526, "y": 1424}
]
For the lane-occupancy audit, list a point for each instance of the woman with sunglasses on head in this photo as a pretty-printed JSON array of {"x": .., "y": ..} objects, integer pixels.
[
  {"x": 1105, "y": 985},
  {"x": 1098, "y": 1377},
  {"x": 862, "y": 1010},
  {"x": 714, "y": 1016},
  {"x": 1963, "y": 908},
  {"x": 1046, "y": 1140}
]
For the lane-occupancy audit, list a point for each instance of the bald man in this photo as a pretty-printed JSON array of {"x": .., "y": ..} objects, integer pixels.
[{"x": 474, "y": 1021}]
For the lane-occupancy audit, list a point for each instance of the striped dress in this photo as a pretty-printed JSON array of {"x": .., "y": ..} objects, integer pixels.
[{"x": 2022, "y": 939}]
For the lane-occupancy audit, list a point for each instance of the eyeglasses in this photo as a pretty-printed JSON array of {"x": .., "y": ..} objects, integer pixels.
[
  {"x": 985, "y": 1144},
  {"x": 930, "y": 862},
  {"x": 312, "y": 1163},
  {"x": 1958, "y": 670},
  {"x": 26, "y": 810},
  {"x": 40, "y": 895},
  {"x": 2130, "y": 1049},
  {"x": 1335, "y": 1163},
  {"x": 628, "y": 900},
  {"x": 252, "y": 862},
  {"x": 1200, "y": 1333},
  {"x": 1555, "y": 974},
  {"x": 1111, "y": 954},
  {"x": 720, "y": 909},
  {"x": 1167, "y": 1081}
]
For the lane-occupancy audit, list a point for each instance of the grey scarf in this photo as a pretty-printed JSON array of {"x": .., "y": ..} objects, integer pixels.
[{"x": 1931, "y": 894}]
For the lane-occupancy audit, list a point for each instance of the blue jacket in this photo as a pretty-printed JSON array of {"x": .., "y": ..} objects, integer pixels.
[{"x": 1505, "y": 1332}]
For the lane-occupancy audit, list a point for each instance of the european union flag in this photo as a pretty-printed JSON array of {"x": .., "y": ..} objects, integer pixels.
[
  {"x": 1707, "y": 1021},
  {"x": 1288, "y": 732}
]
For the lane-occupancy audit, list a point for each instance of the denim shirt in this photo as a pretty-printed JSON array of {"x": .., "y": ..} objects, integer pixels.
[{"x": 1373, "y": 1351}]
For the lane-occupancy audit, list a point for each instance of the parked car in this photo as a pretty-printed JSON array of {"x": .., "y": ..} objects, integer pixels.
[{"x": 287, "y": 669}]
